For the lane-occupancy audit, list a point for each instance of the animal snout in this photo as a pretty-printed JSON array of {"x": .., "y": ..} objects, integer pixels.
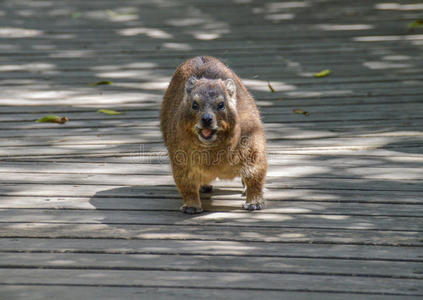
[{"x": 206, "y": 119}]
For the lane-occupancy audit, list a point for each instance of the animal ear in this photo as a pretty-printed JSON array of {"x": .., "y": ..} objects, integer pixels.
[
  {"x": 230, "y": 86},
  {"x": 189, "y": 85}
]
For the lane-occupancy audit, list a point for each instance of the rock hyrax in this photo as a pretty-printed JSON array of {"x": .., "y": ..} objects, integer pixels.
[{"x": 212, "y": 129}]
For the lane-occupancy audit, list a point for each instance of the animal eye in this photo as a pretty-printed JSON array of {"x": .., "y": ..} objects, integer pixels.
[
  {"x": 195, "y": 105},
  {"x": 221, "y": 106}
]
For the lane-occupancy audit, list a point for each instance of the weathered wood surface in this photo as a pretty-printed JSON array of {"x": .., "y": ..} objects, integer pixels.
[{"x": 88, "y": 209}]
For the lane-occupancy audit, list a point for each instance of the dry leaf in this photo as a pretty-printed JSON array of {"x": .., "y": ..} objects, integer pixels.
[
  {"x": 415, "y": 24},
  {"x": 104, "y": 82},
  {"x": 301, "y": 112},
  {"x": 109, "y": 112},
  {"x": 53, "y": 119},
  {"x": 271, "y": 88},
  {"x": 322, "y": 73}
]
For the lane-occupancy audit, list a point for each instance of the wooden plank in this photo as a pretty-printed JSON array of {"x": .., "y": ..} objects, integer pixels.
[
  {"x": 317, "y": 114},
  {"x": 170, "y": 192},
  {"x": 275, "y": 219},
  {"x": 411, "y": 149},
  {"x": 293, "y": 130},
  {"x": 270, "y": 101},
  {"x": 206, "y": 263},
  {"x": 344, "y": 212},
  {"x": 265, "y": 110},
  {"x": 151, "y": 141},
  {"x": 69, "y": 292},
  {"x": 210, "y": 232},
  {"x": 243, "y": 63},
  {"x": 211, "y": 248},
  {"x": 285, "y": 160},
  {"x": 297, "y": 167},
  {"x": 218, "y": 280},
  {"x": 168, "y": 201},
  {"x": 277, "y": 181}
]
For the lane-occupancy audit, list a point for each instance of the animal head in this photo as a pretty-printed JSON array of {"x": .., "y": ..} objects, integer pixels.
[{"x": 210, "y": 108}]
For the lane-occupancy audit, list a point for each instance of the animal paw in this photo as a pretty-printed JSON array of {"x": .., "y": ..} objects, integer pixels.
[
  {"x": 253, "y": 206},
  {"x": 206, "y": 188},
  {"x": 190, "y": 210}
]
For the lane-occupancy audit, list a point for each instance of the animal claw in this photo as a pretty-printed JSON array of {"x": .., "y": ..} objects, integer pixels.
[
  {"x": 190, "y": 210},
  {"x": 252, "y": 206}
]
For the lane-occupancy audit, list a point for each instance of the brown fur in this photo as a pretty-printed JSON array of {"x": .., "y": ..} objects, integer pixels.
[{"x": 238, "y": 148}]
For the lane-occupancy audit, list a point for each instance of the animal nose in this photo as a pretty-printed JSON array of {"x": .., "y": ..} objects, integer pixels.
[{"x": 206, "y": 119}]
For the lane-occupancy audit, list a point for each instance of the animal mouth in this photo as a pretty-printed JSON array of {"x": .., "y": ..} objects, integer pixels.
[{"x": 206, "y": 134}]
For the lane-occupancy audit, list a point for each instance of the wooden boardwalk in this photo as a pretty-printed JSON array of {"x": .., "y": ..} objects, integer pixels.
[{"x": 89, "y": 210}]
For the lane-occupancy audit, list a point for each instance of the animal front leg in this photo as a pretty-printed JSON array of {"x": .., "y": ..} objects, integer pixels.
[
  {"x": 254, "y": 192},
  {"x": 190, "y": 196}
]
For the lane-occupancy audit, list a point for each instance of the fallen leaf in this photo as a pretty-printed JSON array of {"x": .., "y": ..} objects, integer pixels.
[
  {"x": 109, "y": 112},
  {"x": 53, "y": 119},
  {"x": 104, "y": 82},
  {"x": 271, "y": 88},
  {"x": 301, "y": 112},
  {"x": 76, "y": 15},
  {"x": 415, "y": 24},
  {"x": 322, "y": 73}
]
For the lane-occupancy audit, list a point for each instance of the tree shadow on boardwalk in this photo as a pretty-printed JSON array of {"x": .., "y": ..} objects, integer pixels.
[{"x": 344, "y": 183}]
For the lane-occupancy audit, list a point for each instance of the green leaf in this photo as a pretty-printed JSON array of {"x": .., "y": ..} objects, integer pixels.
[
  {"x": 301, "y": 112},
  {"x": 415, "y": 24},
  {"x": 109, "y": 112},
  {"x": 76, "y": 15},
  {"x": 271, "y": 87},
  {"x": 104, "y": 82},
  {"x": 322, "y": 73},
  {"x": 53, "y": 119}
]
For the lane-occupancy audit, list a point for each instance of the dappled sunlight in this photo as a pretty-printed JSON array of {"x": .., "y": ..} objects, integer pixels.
[
  {"x": 80, "y": 97},
  {"x": 150, "y": 32},
  {"x": 396, "y": 57},
  {"x": 185, "y": 22},
  {"x": 343, "y": 184},
  {"x": 317, "y": 94},
  {"x": 398, "y": 6},
  {"x": 16, "y": 33},
  {"x": 279, "y": 17},
  {"x": 133, "y": 65},
  {"x": 281, "y": 6},
  {"x": 382, "y": 65},
  {"x": 261, "y": 85},
  {"x": 121, "y": 14},
  {"x": 331, "y": 217},
  {"x": 72, "y": 54},
  {"x": 288, "y": 210},
  {"x": 177, "y": 46},
  {"x": 295, "y": 171},
  {"x": 163, "y": 235},
  {"x": 123, "y": 74},
  {"x": 280, "y": 11},
  {"x": 205, "y": 36},
  {"x": 244, "y": 217},
  {"x": 34, "y": 67},
  {"x": 389, "y": 38},
  {"x": 291, "y": 236},
  {"x": 344, "y": 27},
  {"x": 395, "y": 174}
]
